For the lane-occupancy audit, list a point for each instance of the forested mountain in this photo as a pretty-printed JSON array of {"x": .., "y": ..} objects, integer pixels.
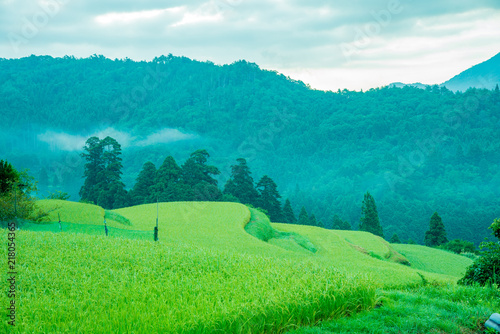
[
  {"x": 416, "y": 151},
  {"x": 484, "y": 75}
]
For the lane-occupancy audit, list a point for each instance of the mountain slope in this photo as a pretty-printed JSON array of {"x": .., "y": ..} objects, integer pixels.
[
  {"x": 484, "y": 75},
  {"x": 417, "y": 151}
]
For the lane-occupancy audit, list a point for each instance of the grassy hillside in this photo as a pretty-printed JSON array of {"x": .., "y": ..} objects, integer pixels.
[
  {"x": 206, "y": 273},
  {"x": 434, "y": 260},
  {"x": 334, "y": 249},
  {"x": 75, "y": 283},
  {"x": 230, "y": 226}
]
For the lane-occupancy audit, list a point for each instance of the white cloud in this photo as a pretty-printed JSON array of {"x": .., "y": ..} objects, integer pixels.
[
  {"x": 207, "y": 13},
  {"x": 132, "y": 17},
  {"x": 71, "y": 142},
  {"x": 62, "y": 141},
  {"x": 164, "y": 136}
]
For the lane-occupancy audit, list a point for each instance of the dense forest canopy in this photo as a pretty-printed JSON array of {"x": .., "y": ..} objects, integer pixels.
[{"x": 416, "y": 151}]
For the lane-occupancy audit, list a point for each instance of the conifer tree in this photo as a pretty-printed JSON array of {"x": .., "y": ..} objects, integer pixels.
[
  {"x": 197, "y": 179},
  {"x": 195, "y": 170},
  {"x": 312, "y": 220},
  {"x": 240, "y": 184},
  {"x": 303, "y": 217},
  {"x": 8, "y": 176},
  {"x": 436, "y": 235},
  {"x": 288, "y": 215},
  {"x": 167, "y": 181},
  {"x": 269, "y": 198},
  {"x": 144, "y": 185},
  {"x": 93, "y": 166},
  {"x": 369, "y": 216},
  {"x": 339, "y": 224},
  {"x": 103, "y": 170},
  {"x": 112, "y": 193}
]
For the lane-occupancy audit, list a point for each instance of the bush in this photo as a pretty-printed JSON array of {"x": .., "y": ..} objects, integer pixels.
[
  {"x": 486, "y": 269},
  {"x": 16, "y": 200},
  {"x": 459, "y": 246},
  {"x": 59, "y": 195}
]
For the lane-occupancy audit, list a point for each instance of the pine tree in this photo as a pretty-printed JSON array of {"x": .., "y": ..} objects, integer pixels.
[
  {"x": 303, "y": 217},
  {"x": 112, "y": 193},
  {"x": 8, "y": 176},
  {"x": 144, "y": 185},
  {"x": 312, "y": 220},
  {"x": 240, "y": 184},
  {"x": 339, "y": 224},
  {"x": 103, "y": 170},
  {"x": 269, "y": 198},
  {"x": 436, "y": 235},
  {"x": 197, "y": 181},
  {"x": 93, "y": 166},
  {"x": 111, "y": 156},
  {"x": 369, "y": 216},
  {"x": 167, "y": 182},
  {"x": 195, "y": 170},
  {"x": 288, "y": 215}
]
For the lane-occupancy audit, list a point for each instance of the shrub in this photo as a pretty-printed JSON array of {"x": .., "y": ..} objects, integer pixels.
[
  {"x": 486, "y": 269},
  {"x": 59, "y": 195},
  {"x": 459, "y": 246}
]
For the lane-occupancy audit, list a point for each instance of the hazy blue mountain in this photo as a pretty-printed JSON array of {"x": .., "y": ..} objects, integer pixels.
[
  {"x": 401, "y": 85},
  {"x": 484, "y": 75}
]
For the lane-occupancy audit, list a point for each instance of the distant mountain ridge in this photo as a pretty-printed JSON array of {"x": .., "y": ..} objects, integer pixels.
[
  {"x": 484, "y": 75},
  {"x": 401, "y": 85}
]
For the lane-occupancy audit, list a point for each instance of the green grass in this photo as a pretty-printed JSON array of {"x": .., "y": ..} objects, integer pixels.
[
  {"x": 260, "y": 227},
  {"x": 334, "y": 249},
  {"x": 434, "y": 260},
  {"x": 430, "y": 309},
  {"x": 115, "y": 216},
  {"x": 72, "y": 212},
  {"x": 374, "y": 246},
  {"x": 70, "y": 228},
  {"x": 80, "y": 283},
  {"x": 218, "y": 267}
]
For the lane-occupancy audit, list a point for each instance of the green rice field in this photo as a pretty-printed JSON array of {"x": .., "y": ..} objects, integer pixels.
[{"x": 217, "y": 268}]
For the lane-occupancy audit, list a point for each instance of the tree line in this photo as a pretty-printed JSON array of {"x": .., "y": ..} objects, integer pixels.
[
  {"x": 192, "y": 181},
  {"x": 195, "y": 180}
]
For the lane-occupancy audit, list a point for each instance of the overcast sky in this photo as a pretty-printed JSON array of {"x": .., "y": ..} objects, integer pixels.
[{"x": 353, "y": 44}]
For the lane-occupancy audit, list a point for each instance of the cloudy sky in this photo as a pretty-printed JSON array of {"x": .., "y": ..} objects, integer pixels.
[{"x": 354, "y": 44}]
